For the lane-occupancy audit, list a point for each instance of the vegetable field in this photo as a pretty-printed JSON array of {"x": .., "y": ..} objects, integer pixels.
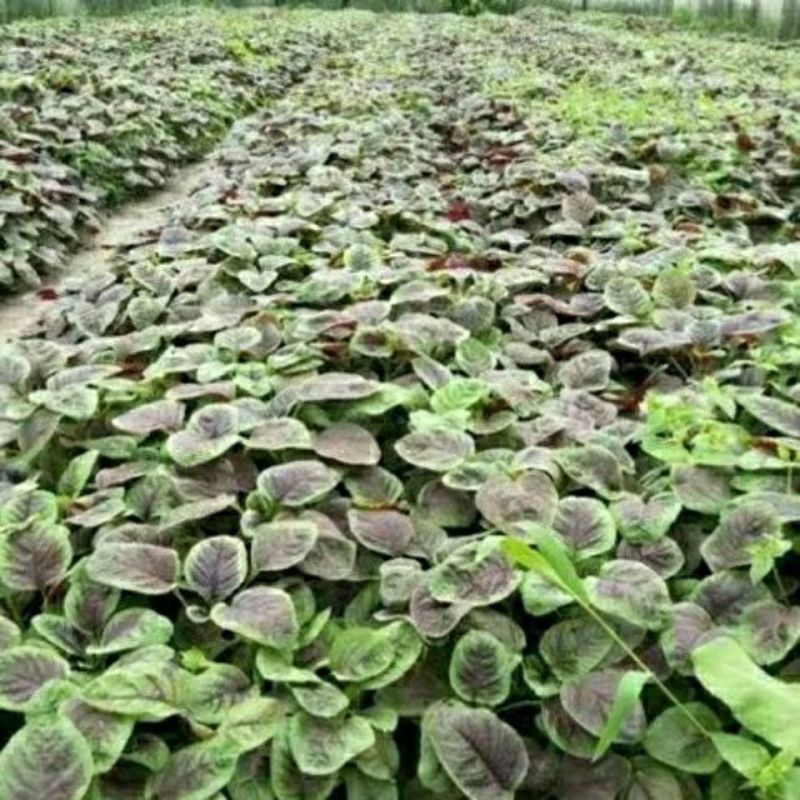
[{"x": 439, "y": 442}]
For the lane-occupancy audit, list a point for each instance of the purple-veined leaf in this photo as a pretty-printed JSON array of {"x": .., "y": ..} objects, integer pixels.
[
  {"x": 435, "y": 450},
  {"x": 162, "y": 415},
  {"x": 347, "y": 443},
  {"x": 135, "y": 567},
  {"x": 35, "y": 557},
  {"x": 323, "y": 746},
  {"x": 131, "y": 629},
  {"x": 46, "y": 758},
  {"x": 388, "y": 532},
  {"x": 262, "y": 614},
  {"x": 298, "y": 483},
  {"x": 282, "y": 543},
  {"x": 632, "y": 592},
  {"x": 210, "y": 432},
  {"x": 591, "y": 699},
  {"x": 482, "y": 755},
  {"x": 24, "y": 670},
  {"x": 216, "y": 567},
  {"x": 504, "y": 501}
]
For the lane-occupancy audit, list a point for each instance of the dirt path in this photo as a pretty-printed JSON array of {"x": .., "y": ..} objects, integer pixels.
[{"x": 21, "y": 313}]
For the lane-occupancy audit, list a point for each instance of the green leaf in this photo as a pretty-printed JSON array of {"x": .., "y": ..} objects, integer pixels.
[
  {"x": 147, "y": 690},
  {"x": 626, "y": 296},
  {"x": 747, "y": 757},
  {"x": 766, "y": 706},
  {"x": 196, "y": 772},
  {"x": 74, "y": 478},
  {"x": 251, "y": 723},
  {"x": 107, "y": 734},
  {"x": 777, "y": 414},
  {"x": 673, "y": 739},
  {"x": 320, "y": 699},
  {"x": 459, "y": 393},
  {"x": 323, "y": 746},
  {"x": 262, "y": 614},
  {"x": 289, "y": 782},
  {"x": 629, "y": 690},
  {"x": 211, "y": 695},
  {"x": 360, "y": 653},
  {"x": 435, "y": 450}
]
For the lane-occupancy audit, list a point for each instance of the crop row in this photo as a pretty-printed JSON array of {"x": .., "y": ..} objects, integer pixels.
[{"x": 94, "y": 113}]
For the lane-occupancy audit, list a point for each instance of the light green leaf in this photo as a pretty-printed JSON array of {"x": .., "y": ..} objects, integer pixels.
[
  {"x": 767, "y": 706},
  {"x": 673, "y": 739}
]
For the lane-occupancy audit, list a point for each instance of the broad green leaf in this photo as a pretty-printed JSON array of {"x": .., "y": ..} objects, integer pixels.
[
  {"x": 507, "y": 502},
  {"x": 323, "y": 746},
  {"x": 147, "y": 690},
  {"x": 289, "y": 782},
  {"x": 593, "y": 466},
  {"x": 435, "y": 450},
  {"x": 320, "y": 699},
  {"x": 673, "y": 739},
  {"x": 776, "y": 414},
  {"x": 625, "y": 295},
  {"x": 769, "y": 631},
  {"x": 77, "y": 474},
  {"x": 251, "y": 723},
  {"x": 210, "y": 432},
  {"x": 74, "y": 402},
  {"x": 196, "y": 772},
  {"x": 389, "y": 532},
  {"x": 734, "y": 541},
  {"x": 360, "y": 653},
  {"x": 763, "y": 704},
  {"x": 476, "y": 574},
  {"x": 347, "y": 443},
  {"x": 210, "y": 695},
  {"x": 162, "y": 415},
  {"x": 574, "y": 647},
  {"x": 747, "y": 757},
  {"x": 585, "y": 525}
]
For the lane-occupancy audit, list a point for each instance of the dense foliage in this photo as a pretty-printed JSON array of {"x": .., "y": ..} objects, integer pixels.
[
  {"x": 93, "y": 113},
  {"x": 441, "y": 445}
]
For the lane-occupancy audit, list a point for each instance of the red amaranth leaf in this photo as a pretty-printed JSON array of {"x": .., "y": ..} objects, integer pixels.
[{"x": 458, "y": 211}]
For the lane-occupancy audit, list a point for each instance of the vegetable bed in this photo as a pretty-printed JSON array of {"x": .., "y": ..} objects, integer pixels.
[
  {"x": 94, "y": 113},
  {"x": 442, "y": 445}
]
